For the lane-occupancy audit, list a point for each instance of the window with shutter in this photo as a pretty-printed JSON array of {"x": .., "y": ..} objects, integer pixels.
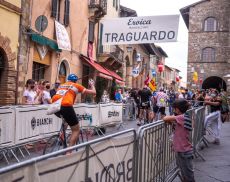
[
  {"x": 100, "y": 40},
  {"x": 210, "y": 24},
  {"x": 55, "y": 12},
  {"x": 208, "y": 54},
  {"x": 54, "y": 8},
  {"x": 91, "y": 31},
  {"x": 66, "y": 14}
]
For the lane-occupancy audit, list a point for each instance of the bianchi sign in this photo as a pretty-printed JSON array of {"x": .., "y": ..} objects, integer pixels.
[
  {"x": 140, "y": 30},
  {"x": 40, "y": 122}
]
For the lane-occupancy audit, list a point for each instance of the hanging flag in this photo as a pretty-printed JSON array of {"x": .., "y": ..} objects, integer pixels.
[
  {"x": 147, "y": 80},
  {"x": 136, "y": 71},
  {"x": 195, "y": 77},
  {"x": 152, "y": 84}
]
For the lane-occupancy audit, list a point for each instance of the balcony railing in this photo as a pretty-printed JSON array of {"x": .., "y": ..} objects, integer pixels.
[
  {"x": 113, "y": 51},
  {"x": 101, "y": 5}
]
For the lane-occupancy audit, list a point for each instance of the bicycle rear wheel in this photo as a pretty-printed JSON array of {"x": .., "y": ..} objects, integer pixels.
[{"x": 53, "y": 144}]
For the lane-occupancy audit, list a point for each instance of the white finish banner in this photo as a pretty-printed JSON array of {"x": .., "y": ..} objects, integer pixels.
[
  {"x": 140, "y": 30},
  {"x": 62, "y": 37},
  {"x": 110, "y": 113},
  {"x": 7, "y": 126}
]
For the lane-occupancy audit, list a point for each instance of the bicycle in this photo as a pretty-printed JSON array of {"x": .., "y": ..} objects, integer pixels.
[{"x": 59, "y": 141}]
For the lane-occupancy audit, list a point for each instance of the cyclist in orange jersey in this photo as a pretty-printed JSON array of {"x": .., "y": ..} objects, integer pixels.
[{"x": 69, "y": 91}]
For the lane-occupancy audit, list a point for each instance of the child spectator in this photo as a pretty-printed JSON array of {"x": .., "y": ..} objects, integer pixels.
[{"x": 181, "y": 144}]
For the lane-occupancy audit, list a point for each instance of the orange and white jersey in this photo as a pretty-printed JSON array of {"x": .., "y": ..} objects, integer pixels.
[{"x": 68, "y": 91}]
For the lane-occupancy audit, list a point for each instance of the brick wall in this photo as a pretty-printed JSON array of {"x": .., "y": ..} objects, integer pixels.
[{"x": 9, "y": 74}]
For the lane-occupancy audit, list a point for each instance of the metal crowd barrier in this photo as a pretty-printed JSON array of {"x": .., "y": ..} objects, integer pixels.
[
  {"x": 118, "y": 157},
  {"x": 129, "y": 110},
  {"x": 98, "y": 160},
  {"x": 199, "y": 131},
  {"x": 156, "y": 158},
  {"x": 22, "y": 126}
]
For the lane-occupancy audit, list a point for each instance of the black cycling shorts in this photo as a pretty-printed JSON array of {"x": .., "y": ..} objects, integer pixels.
[
  {"x": 145, "y": 105},
  {"x": 159, "y": 109},
  {"x": 68, "y": 114}
]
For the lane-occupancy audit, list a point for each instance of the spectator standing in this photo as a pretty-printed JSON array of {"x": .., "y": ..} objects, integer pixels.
[
  {"x": 29, "y": 95},
  {"x": 145, "y": 96},
  {"x": 54, "y": 90},
  {"x": 181, "y": 144},
  {"x": 118, "y": 96},
  {"x": 105, "y": 97},
  {"x": 224, "y": 106},
  {"x": 213, "y": 120},
  {"x": 46, "y": 98},
  {"x": 180, "y": 95},
  {"x": 171, "y": 99},
  {"x": 135, "y": 96},
  {"x": 161, "y": 99}
]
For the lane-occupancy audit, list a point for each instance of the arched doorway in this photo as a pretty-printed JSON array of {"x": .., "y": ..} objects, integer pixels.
[
  {"x": 63, "y": 71},
  {"x": 2, "y": 64},
  {"x": 214, "y": 82}
]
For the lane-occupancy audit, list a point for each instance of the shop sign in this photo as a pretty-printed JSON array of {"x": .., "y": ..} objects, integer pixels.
[{"x": 140, "y": 30}]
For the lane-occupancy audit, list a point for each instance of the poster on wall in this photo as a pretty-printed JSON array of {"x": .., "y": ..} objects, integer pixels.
[{"x": 140, "y": 30}]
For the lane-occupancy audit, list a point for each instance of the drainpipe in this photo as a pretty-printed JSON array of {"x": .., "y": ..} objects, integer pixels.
[{"x": 18, "y": 58}]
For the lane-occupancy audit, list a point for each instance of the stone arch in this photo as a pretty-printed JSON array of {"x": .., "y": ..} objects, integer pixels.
[
  {"x": 63, "y": 71},
  {"x": 214, "y": 82},
  {"x": 8, "y": 77}
]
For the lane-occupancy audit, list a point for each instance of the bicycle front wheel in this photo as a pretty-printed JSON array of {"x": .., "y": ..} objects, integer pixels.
[{"x": 53, "y": 144}]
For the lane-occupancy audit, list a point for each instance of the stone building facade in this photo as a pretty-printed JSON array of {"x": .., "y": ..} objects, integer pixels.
[
  {"x": 9, "y": 39},
  {"x": 39, "y": 56},
  {"x": 209, "y": 43}
]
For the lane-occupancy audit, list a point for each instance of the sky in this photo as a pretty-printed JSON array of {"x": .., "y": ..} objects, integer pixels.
[{"x": 177, "y": 51}]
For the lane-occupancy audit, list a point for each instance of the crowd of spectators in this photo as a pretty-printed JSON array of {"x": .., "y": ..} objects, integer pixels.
[{"x": 39, "y": 92}]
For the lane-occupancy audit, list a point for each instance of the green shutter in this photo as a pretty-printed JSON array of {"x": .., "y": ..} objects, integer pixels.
[
  {"x": 54, "y": 8},
  {"x": 66, "y": 14}
]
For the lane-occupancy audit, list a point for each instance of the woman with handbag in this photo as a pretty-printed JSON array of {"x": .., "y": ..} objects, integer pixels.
[{"x": 67, "y": 92}]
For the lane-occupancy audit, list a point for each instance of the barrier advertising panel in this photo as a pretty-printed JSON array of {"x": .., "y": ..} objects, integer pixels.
[
  {"x": 88, "y": 115},
  {"x": 110, "y": 113},
  {"x": 32, "y": 123},
  {"x": 7, "y": 126}
]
